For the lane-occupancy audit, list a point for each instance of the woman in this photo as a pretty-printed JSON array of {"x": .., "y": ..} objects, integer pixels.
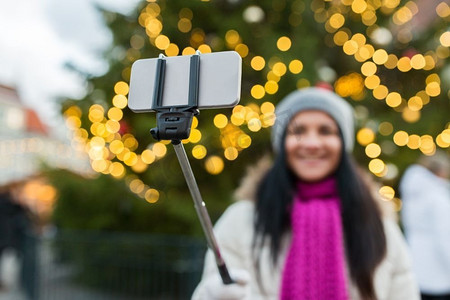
[{"x": 312, "y": 230}]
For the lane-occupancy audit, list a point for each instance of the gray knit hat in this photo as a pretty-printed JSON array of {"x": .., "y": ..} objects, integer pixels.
[{"x": 314, "y": 99}]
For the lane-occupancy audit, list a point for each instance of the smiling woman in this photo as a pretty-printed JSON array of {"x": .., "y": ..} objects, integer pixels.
[{"x": 312, "y": 229}]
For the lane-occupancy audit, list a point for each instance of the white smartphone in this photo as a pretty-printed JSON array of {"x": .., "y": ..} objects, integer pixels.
[{"x": 219, "y": 81}]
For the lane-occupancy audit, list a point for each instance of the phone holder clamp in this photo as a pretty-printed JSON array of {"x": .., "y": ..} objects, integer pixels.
[{"x": 174, "y": 123}]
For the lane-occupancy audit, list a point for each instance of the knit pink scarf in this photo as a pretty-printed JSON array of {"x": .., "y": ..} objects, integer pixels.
[{"x": 315, "y": 265}]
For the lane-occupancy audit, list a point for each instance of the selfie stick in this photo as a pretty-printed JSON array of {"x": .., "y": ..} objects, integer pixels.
[{"x": 174, "y": 123}]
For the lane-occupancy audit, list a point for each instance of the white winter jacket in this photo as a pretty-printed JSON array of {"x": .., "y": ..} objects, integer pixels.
[
  {"x": 426, "y": 219},
  {"x": 393, "y": 278}
]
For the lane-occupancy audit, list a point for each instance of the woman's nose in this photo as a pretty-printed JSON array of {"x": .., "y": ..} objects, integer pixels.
[{"x": 311, "y": 140}]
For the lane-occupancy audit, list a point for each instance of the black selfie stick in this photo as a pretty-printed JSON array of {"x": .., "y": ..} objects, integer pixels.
[{"x": 174, "y": 123}]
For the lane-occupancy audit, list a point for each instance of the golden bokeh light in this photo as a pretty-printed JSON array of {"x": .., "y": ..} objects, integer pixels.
[
  {"x": 73, "y": 122},
  {"x": 365, "y": 136},
  {"x": 140, "y": 166},
  {"x": 220, "y": 121},
  {"x": 442, "y": 142},
  {"x": 295, "y": 66},
  {"x": 188, "y": 51},
  {"x": 130, "y": 158},
  {"x": 184, "y": 25},
  {"x": 350, "y": 47},
  {"x": 433, "y": 89},
  {"x": 112, "y": 126},
  {"x": 99, "y": 165},
  {"x": 159, "y": 149},
  {"x": 337, "y": 20},
  {"x": 254, "y": 124},
  {"x": 115, "y": 114},
  {"x": 195, "y": 136},
  {"x": 427, "y": 145},
  {"x": 148, "y": 156},
  {"x": 340, "y": 37},
  {"x": 284, "y": 43},
  {"x": 116, "y": 146},
  {"x": 368, "y": 68},
  {"x": 359, "y": 6},
  {"x": 214, "y": 165},
  {"x": 232, "y": 38},
  {"x": 120, "y": 101},
  {"x": 414, "y": 141},
  {"x": 376, "y": 166},
  {"x": 404, "y": 64},
  {"x": 380, "y": 57},
  {"x": 96, "y": 113},
  {"x": 231, "y": 153},
  {"x": 152, "y": 196},
  {"x": 410, "y": 116},
  {"x": 257, "y": 91},
  {"x": 130, "y": 142},
  {"x": 271, "y": 87},
  {"x": 244, "y": 141},
  {"x": 204, "y": 48},
  {"x": 121, "y": 88},
  {"x": 258, "y": 63},
  {"x": 372, "y": 82},
  {"x": 418, "y": 62},
  {"x": 380, "y": 92},
  {"x": 391, "y": 62},
  {"x": 387, "y": 192},
  {"x": 444, "y": 39},
  {"x": 199, "y": 151},
  {"x": 117, "y": 170},
  {"x": 360, "y": 39},
  {"x": 445, "y": 135},
  {"x": 267, "y": 108},
  {"x": 172, "y": 50},
  {"x": 272, "y": 76},
  {"x": 415, "y": 103},
  {"x": 393, "y": 99},
  {"x": 401, "y": 138},
  {"x": 242, "y": 49},
  {"x": 373, "y": 150},
  {"x": 162, "y": 42},
  {"x": 73, "y": 111},
  {"x": 279, "y": 69}
]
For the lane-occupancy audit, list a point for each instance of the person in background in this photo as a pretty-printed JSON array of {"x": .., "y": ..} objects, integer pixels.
[
  {"x": 14, "y": 222},
  {"x": 425, "y": 192},
  {"x": 6, "y": 231},
  {"x": 310, "y": 228}
]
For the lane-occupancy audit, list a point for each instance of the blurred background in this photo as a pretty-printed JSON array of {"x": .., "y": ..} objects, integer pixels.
[{"x": 94, "y": 208}]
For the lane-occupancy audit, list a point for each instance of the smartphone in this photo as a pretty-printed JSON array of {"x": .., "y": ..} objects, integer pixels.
[{"x": 219, "y": 81}]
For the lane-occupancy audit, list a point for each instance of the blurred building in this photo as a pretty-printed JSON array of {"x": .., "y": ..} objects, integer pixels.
[{"x": 26, "y": 144}]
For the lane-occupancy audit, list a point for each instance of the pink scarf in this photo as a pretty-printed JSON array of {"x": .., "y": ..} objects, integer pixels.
[{"x": 315, "y": 266}]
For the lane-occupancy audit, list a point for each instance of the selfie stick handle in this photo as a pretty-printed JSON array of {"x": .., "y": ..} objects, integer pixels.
[
  {"x": 201, "y": 210},
  {"x": 175, "y": 124}
]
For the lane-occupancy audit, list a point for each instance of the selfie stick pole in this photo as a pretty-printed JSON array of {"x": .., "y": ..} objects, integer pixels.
[{"x": 174, "y": 124}]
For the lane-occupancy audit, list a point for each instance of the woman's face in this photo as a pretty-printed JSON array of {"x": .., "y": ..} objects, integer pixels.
[{"x": 313, "y": 145}]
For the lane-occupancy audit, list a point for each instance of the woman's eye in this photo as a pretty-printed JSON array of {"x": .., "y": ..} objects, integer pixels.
[
  {"x": 327, "y": 131},
  {"x": 296, "y": 131}
]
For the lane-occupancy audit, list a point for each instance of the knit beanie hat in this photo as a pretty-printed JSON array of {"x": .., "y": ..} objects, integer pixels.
[{"x": 314, "y": 99}]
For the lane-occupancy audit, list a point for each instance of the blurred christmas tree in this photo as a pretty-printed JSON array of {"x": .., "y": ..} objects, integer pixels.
[{"x": 389, "y": 58}]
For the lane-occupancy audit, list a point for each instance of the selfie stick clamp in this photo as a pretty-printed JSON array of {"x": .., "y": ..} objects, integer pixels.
[{"x": 174, "y": 124}]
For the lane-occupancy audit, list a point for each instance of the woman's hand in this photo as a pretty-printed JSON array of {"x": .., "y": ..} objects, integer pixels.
[{"x": 240, "y": 290}]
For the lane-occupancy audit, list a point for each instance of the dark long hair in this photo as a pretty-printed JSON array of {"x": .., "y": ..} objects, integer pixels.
[{"x": 365, "y": 241}]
